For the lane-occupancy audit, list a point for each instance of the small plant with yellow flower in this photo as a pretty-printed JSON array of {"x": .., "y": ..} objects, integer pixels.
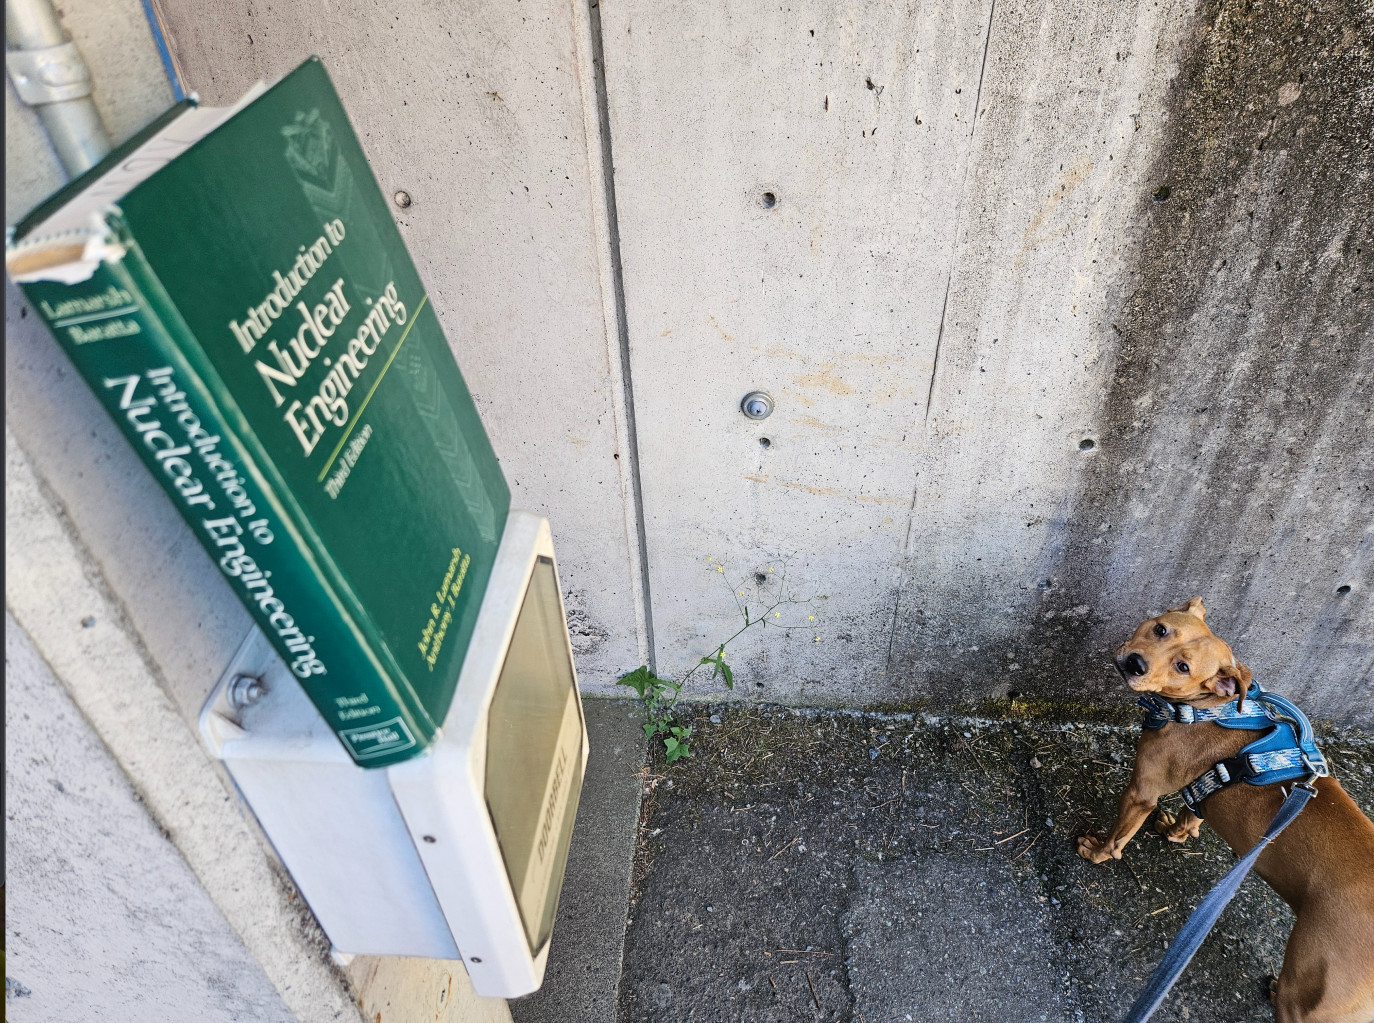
[{"x": 774, "y": 605}]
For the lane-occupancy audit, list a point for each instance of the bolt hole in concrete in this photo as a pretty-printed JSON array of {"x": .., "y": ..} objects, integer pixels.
[
  {"x": 1161, "y": 193},
  {"x": 760, "y": 578},
  {"x": 768, "y": 200},
  {"x": 1343, "y": 589},
  {"x": 764, "y": 442},
  {"x": 1087, "y": 444},
  {"x": 430, "y": 839},
  {"x": 402, "y": 199}
]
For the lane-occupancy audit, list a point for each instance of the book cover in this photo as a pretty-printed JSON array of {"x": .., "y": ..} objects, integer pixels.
[{"x": 251, "y": 319}]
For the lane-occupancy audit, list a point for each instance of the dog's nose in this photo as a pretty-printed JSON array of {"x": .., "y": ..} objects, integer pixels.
[{"x": 1132, "y": 664}]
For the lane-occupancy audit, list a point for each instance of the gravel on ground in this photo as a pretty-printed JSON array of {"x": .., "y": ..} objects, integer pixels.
[{"x": 871, "y": 868}]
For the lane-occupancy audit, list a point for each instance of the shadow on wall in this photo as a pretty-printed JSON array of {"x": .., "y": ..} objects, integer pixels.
[{"x": 1235, "y": 450}]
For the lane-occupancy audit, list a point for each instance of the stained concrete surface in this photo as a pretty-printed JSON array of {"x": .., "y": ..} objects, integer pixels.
[
  {"x": 876, "y": 868},
  {"x": 588, "y": 936},
  {"x": 1066, "y": 309}
]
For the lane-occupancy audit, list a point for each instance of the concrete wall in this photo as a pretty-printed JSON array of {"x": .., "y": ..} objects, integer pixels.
[
  {"x": 58, "y": 595},
  {"x": 1066, "y": 308},
  {"x": 1021, "y": 403},
  {"x": 1024, "y": 400},
  {"x": 88, "y": 864}
]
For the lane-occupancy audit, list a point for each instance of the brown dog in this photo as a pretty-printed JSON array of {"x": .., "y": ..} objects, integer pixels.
[{"x": 1322, "y": 865}]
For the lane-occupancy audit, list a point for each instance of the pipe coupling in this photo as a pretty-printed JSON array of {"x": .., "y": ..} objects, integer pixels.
[{"x": 52, "y": 74}]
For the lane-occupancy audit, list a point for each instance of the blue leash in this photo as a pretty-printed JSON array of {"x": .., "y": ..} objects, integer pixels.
[{"x": 1204, "y": 918}]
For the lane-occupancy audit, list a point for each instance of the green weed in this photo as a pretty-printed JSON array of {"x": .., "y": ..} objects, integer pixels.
[{"x": 660, "y": 695}]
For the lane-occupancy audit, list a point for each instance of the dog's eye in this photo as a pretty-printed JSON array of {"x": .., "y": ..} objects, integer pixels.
[
  {"x": 1161, "y": 630},
  {"x": 1182, "y": 666}
]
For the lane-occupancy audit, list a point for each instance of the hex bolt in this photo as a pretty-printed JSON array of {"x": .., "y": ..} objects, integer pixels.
[
  {"x": 244, "y": 691},
  {"x": 757, "y": 405}
]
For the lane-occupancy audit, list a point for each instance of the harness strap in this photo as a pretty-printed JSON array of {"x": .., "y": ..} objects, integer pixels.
[
  {"x": 1288, "y": 750},
  {"x": 1283, "y": 764},
  {"x": 1246, "y": 712},
  {"x": 1203, "y": 919}
]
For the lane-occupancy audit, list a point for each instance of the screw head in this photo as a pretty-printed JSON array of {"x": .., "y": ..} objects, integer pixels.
[
  {"x": 757, "y": 405},
  {"x": 245, "y": 690}
]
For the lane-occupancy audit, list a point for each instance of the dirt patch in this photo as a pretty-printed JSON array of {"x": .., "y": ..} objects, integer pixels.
[{"x": 772, "y": 866}]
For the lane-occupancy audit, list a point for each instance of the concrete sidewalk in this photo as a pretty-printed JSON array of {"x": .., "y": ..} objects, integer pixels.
[
  {"x": 806, "y": 866},
  {"x": 588, "y": 936}
]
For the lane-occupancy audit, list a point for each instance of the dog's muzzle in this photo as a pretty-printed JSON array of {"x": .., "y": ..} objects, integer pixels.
[{"x": 1132, "y": 665}]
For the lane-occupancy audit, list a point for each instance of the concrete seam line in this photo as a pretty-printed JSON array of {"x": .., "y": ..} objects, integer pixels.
[
  {"x": 584, "y": 50},
  {"x": 49, "y": 591},
  {"x": 604, "y": 152}
]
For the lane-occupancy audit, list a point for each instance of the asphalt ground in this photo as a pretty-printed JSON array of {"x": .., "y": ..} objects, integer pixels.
[{"x": 873, "y": 868}]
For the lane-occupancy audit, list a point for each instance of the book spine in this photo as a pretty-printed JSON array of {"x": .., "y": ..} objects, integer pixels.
[{"x": 140, "y": 372}]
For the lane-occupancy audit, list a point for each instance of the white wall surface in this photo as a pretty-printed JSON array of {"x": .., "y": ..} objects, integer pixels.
[
  {"x": 930, "y": 353},
  {"x": 57, "y": 594}
]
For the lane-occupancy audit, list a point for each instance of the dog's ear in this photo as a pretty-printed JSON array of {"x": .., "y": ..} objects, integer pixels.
[
  {"x": 1230, "y": 679},
  {"x": 1194, "y": 607}
]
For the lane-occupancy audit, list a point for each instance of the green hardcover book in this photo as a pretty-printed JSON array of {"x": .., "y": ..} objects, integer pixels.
[{"x": 233, "y": 289}]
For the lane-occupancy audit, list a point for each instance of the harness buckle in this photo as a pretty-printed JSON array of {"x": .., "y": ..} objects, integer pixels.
[
  {"x": 1237, "y": 768},
  {"x": 1313, "y": 773}
]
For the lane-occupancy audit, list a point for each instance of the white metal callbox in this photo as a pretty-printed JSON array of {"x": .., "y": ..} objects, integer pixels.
[{"x": 459, "y": 852}]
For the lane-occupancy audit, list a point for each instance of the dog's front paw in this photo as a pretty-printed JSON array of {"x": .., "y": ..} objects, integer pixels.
[
  {"x": 1094, "y": 849},
  {"x": 1177, "y": 829}
]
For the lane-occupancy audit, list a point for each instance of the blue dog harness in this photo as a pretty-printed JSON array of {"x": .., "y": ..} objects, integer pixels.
[{"x": 1288, "y": 752}]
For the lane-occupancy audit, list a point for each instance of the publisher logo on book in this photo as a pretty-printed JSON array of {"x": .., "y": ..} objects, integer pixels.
[{"x": 379, "y": 739}]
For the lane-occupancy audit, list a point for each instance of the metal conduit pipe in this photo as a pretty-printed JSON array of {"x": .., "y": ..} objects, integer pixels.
[{"x": 49, "y": 75}]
